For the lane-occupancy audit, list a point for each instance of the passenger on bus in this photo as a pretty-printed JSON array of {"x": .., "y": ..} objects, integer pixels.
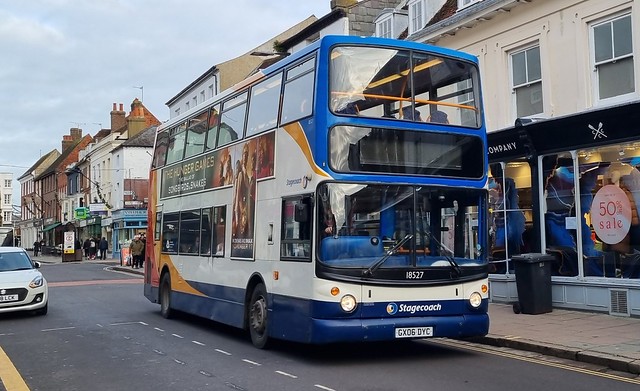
[
  {"x": 439, "y": 117},
  {"x": 411, "y": 114}
]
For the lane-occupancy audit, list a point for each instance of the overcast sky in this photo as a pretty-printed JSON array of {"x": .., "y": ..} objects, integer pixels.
[{"x": 63, "y": 63}]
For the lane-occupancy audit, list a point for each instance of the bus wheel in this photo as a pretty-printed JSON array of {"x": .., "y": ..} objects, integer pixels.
[
  {"x": 258, "y": 319},
  {"x": 165, "y": 297}
]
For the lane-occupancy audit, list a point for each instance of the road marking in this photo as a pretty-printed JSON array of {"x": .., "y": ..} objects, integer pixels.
[
  {"x": 198, "y": 343},
  {"x": 158, "y": 329},
  {"x": 94, "y": 282},
  {"x": 287, "y": 374},
  {"x": 178, "y": 336},
  {"x": 537, "y": 361},
  {"x": 323, "y": 387},
  {"x": 11, "y": 379},
  {"x": 58, "y": 329},
  {"x": 123, "y": 323},
  {"x": 251, "y": 362},
  {"x": 223, "y": 352}
]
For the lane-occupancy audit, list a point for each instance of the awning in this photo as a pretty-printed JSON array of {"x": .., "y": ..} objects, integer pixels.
[{"x": 50, "y": 227}]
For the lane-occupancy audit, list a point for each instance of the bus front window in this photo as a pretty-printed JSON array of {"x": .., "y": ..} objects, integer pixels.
[
  {"x": 373, "y": 228},
  {"x": 404, "y": 85}
]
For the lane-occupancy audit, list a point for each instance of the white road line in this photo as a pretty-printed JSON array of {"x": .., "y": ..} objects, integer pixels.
[
  {"x": 7, "y": 334},
  {"x": 99, "y": 325},
  {"x": 177, "y": 336},
  {"x": 287, "y": 374},
  {"x": 323, "y": 387},
  {"x": 198, "y": 343},
  {"x": 223, "y": 352},
  {"x": 251, "y": 362},
  {"x": 123, "y": 323},
  {"x": 159, "y": 329},
  {"x": 58, "y": 329},
  {"x": 144, "y": 324}
]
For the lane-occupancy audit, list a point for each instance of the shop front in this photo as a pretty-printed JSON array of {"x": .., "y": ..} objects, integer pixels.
[
  {"x": 126, "y": 224},
  {"x": 570, "y": 187}
]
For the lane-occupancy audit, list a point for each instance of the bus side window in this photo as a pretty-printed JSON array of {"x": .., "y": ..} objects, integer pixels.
[{"x": 296, "y": 228}]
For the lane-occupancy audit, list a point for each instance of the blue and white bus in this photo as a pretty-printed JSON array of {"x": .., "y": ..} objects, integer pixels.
[{"x": 338, "y": 195}]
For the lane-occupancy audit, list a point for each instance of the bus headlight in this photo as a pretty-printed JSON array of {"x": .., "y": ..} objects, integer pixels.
[
  {"x": 475, "y": 300},
  {"x": 348, "y": 303}
]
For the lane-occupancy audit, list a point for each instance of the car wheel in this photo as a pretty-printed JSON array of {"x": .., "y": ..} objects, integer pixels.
[
  {"x": 165, "y": 297},
  {"x": 258, "y": 317},
  {"x": 43, "y": 310}
]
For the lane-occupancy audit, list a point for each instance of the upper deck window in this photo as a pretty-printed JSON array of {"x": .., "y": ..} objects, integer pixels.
[
  {"x": 263, "y": 106},
  {"x": 297, "y": 101},
  {"x": 405, "y": 85}
]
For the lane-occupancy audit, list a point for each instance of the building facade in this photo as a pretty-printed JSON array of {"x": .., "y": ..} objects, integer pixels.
[
  {"x": 6, "y": 204},
  {"x": 561, "y": 96}
]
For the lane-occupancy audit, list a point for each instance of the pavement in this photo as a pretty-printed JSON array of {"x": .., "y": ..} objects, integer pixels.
[{"x": 595, "y": 338}]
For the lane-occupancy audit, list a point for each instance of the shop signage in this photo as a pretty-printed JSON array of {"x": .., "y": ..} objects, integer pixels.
[
  {"x": 611, "y": 214},
  {"x": 69, "y": 242},
  {"x": 80, "y": 213}
]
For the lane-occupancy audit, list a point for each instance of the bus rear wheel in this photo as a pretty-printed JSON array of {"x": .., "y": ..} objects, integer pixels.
[
  {"x": 165, "y": 297},
  {"x": 258, "y": 317}
]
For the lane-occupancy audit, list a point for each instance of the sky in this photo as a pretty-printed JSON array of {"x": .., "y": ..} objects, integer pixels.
[{"x": 63, "y": 63}]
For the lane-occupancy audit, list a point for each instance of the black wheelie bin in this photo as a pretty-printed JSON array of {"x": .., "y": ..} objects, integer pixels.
[{"x": 533, "y": 281}]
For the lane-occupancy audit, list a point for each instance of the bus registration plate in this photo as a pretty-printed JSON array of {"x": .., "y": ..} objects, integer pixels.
[{"x": 414, "y": 332}]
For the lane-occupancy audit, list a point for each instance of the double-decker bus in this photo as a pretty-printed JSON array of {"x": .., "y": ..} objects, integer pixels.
[{"x": 337, "y": 195}]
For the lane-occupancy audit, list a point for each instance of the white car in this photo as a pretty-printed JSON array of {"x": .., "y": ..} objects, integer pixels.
[{"x": 22, "y": 286}]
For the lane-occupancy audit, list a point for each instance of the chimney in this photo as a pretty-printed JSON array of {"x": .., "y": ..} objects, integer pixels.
[
  {"x": 67, "y": 141},
  {"x": 118, "y": 119},
  {"x": 136, "y": 122},
  {"x": 76, "y": 133}
]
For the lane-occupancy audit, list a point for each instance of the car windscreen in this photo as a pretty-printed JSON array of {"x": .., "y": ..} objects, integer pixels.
[{"x": 14, "y": 261}]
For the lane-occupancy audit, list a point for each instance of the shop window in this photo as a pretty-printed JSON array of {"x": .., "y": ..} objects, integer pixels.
[
  {"x": 511, "y": 228},
  {"x": 612, "y": 45},
  {"x": 560, "y": 218},
  {"x": 609, "y": 196},
  {"x": 526, "y": 78}
]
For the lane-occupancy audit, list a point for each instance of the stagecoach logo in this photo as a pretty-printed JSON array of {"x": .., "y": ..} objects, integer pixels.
[
  {"x": 393, "y": 308},
  {"x": 502, "y": 147},
  {"x": 304, "y": 181},
  {"x": 2, "y": 292}
]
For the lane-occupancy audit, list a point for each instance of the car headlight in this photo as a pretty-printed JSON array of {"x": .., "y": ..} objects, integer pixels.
[
  {"x": 348, "y": 303},
  {"x": 475, "y": 299},
  {"x": 36, "y": 282}
]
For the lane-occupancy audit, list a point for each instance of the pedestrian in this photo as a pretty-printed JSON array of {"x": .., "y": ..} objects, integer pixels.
[
  {"x": 143, "y": 239},
  {"x": 93, "y": 247},
  {"x": 36, "y": 248},
  {"x": 103, "y": 247},
  {"x": 86, "y": 246},
  {"x": 135, "y": 249}
]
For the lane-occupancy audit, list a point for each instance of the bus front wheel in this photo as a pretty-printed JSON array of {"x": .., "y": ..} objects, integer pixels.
[
  {"x": 258, "y": 317},
  {"x": 165, "y": 297}
]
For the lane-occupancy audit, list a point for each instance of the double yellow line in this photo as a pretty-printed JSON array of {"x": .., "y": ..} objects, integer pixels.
[{"x": 9, "y": 375}]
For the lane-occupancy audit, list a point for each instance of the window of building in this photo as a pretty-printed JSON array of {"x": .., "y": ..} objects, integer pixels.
[
  {"x": 7, "y": 199},
  {"x": 187, "y": 106},
  {"x": 296, "y": 228},
  {"x": 211, "y": 90},
  {"x": 466, "y": 3},
  {"x": 202, "y": 96},
  {"x": 177, "y": 112},
  {"x": 6, "y": 217},
  {"x": 526, "y": 79},
  {"x": 612, "y": 43},
  {"x": 416, "y": 15},
  {"x": 195, "y": 101},
  {"x": 384, "y": 27},
  {"x": 510, "y": 213},
  {"x": 7, "y": 183}
]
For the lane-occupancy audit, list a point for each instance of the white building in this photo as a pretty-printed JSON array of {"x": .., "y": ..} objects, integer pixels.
[{"x": 6, "y": 202}]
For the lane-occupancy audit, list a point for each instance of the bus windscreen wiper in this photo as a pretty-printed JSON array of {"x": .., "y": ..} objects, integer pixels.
[
  {"x": 376, "y": 265},
  {"x": 444, "y": 251}
]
